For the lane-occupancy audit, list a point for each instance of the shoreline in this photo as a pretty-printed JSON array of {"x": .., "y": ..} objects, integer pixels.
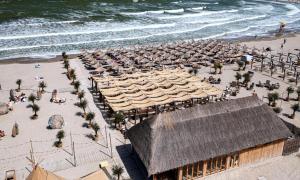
[{"x": 32, "y": 60}]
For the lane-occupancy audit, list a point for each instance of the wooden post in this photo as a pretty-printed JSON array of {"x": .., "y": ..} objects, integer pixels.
[
  {"x": 204, "y": 168},
  {"x": 31, "y": 154},
  {"x": 74, "y": 155},
  {"x": 71, "y": 142},
  {"x": 227, "y": 162},
  {"x": 179, "y": 174},
  {"x": 111, "y": 153},
  {"x": 106, "y": 136}
]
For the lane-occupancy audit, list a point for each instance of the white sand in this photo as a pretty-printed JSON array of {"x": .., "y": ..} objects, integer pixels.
[{"x": 13, "y": 151}]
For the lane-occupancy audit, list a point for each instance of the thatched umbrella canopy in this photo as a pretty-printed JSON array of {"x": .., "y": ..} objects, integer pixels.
[
  {"x": 56, "y": 122},
  {"x": 3, "y": 108},
  {"x": 39, "y": 173}
]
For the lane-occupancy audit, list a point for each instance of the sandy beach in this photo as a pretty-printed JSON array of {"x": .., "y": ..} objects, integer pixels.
[{"x": 14, "y": 152}]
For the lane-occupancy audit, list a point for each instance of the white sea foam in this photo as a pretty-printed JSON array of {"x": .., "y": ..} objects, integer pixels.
[
  {"x": 170, "y": 11},
  {"x": 174, "y": 11},
  {"x": 153, "y": 26},
  {"x": 204, "y": 13},
  {"x": 134, "y": 38},
  {"x": 293, "y": 10},
  {"x": 201, "y": 21},
  {"x": 196, "y": 9},
  {"x": 25, "y": 23}
]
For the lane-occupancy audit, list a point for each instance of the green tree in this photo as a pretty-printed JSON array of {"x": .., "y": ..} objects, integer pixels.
[
  {"x": 247, "y": 78},
  {"x": 289, "y": 90},
  {"x": 80, "y": 95},
  {"x": 77, "y": 86},
  {"x": 272, "y": 97},
  {"x": 117, "y": 171},
  {"x": 96, "y": 128},
  {"x": 66, "y": 64},
  {"x": 238, "y": 77},
  {"x": 32, "y": 98},
  {"x": 298, "y": 93},
  {"x": 295, "y": 107},
  {"x": 19, "y": 82},
  {"x": 71, "y": 74},
  {"x": 42, "y": 85},
  {"x": 89, "y": 117},
  {"x": 35, "y": 109},
  {"x": 118, "y": 118},
  {"x": 64, "y": 55},
  {"x": 240, "y": 64},
  {"x": 83, "y": 105},
  {"x": 60, "y": 135}
]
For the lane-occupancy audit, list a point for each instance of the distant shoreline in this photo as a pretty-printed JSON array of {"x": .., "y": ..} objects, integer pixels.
[{"x": 30, "y": 60}]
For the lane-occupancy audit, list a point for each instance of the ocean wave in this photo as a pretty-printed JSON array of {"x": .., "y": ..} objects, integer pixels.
[
  {"x": 170, "y": 11},
  {"x": 208, "y": 21},
  {"x": 204, "y": 13},
  {"x": 174, "y": 11},
  {"x": 154, "y": 26},
  {"x": 25, "y": 23},
  {"x": 293, "y": 9},
  {"x": 225, "y": 33},
  {"x": 134, "y": 38},
  {"x": 196, "y": 9}
]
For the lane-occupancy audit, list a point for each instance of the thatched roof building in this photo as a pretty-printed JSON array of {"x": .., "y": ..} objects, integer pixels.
[{"x": 175, "y": 139}]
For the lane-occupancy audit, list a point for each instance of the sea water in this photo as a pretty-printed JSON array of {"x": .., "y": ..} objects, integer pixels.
[{"x": 30, "y": 28}]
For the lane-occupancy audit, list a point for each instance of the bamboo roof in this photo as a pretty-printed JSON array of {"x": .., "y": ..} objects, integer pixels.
[
  {"x": 39, "y": 173},
  {"x": 142, "y": 90},
  {"x": 173, "y": 139}
]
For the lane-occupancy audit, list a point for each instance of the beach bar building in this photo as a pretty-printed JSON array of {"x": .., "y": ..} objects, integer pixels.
[{"x": 207, "y": 139}]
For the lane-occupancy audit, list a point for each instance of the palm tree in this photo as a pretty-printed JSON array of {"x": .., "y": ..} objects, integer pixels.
[
  {"x": 60, "y": 135},
  {"x": 289, "y": 90},
  {"x": 71, "y": 73},
  {"x": 77, "y": 85},
  {"x": 83, "y": 105},
  {"x": 220, "y": 66},
  {"x": 118, "y": 118},
  {"x": 272, "y": 97},
  {"x": 73, "y": 77},
  {"x": 247, "y": 78},
  {"x": 117, "y": 171},
  {"x": 238, "y": 77},
  {"x": 298, "y": 93},
  {"x": 80, "y": 95},
  {"x": 295, "y": 107},
  {"x": 96, "y": 128},
  {"x": 35, "y": 109},
  {"x": 42, "y": 85},
  {"x": 215, "y": 67},
  {"x": 240, "y": 64},
  {"x": 66, "y": 64},
  {"x": 32, "y": 98},
  {"x": 89, "y": 117},
  {"x": 64, "y": 55},
  {"x": 19, "y": 82}
]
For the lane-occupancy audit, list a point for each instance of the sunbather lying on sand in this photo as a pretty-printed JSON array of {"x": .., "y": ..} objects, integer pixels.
[{"x": 58, "y": 100}]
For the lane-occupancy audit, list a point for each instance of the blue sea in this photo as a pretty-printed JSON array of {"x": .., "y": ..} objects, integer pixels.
[{"x": 38, "y": 28}]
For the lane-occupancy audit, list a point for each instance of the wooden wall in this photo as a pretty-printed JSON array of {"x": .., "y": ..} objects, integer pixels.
[{"x": 261, "y": 152}]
